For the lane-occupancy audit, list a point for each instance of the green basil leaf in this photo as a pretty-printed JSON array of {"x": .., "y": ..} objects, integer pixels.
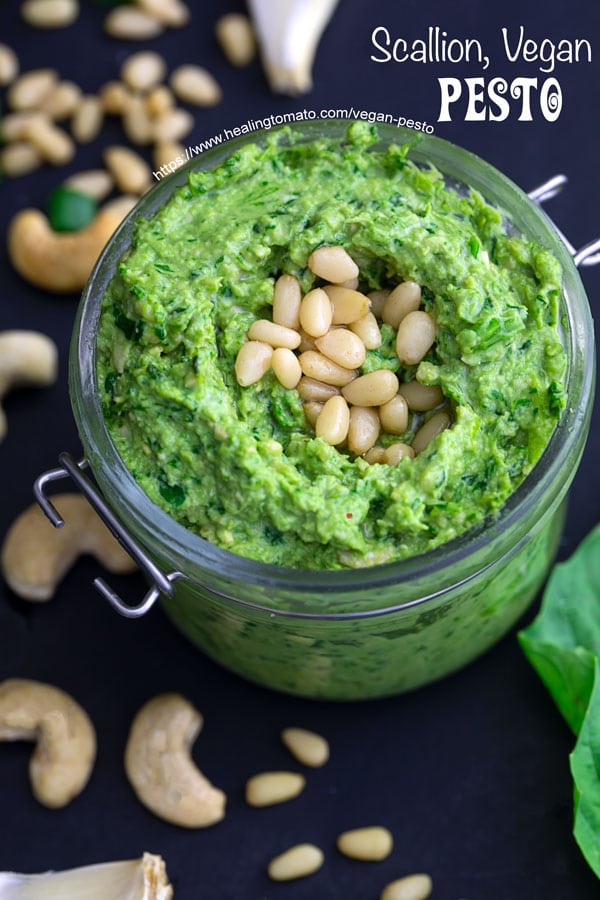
[
  {"x": 70, "y": 210},
  {"x": 563, "y": 645},
  {"x": 563, "y": 640},
  {"x": 585, "y": 769}
]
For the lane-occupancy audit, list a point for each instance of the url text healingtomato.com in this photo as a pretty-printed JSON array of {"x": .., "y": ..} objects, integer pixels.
[{"x": 303, "y": 115}]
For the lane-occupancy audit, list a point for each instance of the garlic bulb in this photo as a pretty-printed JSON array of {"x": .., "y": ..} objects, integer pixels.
[
  {"x": 133, "y": 879},
  {"x": 288, "y": 33}
]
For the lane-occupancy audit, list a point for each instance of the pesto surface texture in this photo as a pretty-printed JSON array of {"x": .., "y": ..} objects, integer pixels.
[{"x": 239, "y": 465}]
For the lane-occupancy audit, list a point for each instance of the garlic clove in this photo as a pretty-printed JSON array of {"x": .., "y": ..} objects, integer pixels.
[
  {"x": 134, "y": 879},
  {"x": 288, "y": 33}
]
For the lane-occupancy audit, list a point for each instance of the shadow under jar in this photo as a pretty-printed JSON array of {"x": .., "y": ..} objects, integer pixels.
[{"x": 366, "y": 632}]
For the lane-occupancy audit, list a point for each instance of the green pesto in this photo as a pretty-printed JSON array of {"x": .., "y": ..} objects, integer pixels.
[{"x": 239, "y": 465}]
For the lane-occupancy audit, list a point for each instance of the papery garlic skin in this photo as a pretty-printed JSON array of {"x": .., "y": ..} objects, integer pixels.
[{"x": 134, "y": 879}]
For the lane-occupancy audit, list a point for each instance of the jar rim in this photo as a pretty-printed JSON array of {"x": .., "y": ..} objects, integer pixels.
[{"x": 454, "y": 162}]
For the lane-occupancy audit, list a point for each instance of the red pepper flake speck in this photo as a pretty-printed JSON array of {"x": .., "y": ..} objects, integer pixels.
[{"x": 348, "y": 515}]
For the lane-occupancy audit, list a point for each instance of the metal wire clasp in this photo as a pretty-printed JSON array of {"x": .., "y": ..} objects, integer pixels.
[
  {"x": 589, "y": 254},
  {"x": 161, "y": 583}
]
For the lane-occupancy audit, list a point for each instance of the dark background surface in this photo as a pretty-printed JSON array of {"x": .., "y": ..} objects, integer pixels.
[{"x": 471, "y": 774}]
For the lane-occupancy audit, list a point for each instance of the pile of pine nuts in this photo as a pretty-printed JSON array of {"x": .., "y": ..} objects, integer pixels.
[
  {"x": 38, "y": 100},
  {"x": 316, "y": 344}
]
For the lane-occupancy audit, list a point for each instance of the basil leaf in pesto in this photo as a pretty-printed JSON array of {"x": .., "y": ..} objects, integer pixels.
[{"x": 563, "y": 645}]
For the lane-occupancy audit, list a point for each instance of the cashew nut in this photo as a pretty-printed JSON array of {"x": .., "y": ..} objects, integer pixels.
[
  {"x": 35, "y": 556},
  {"x": 26, "y": 358},
  {"x": 58, "y": 261},
  {"x": 62, "y": 761},
  {"x": 160, "y": 768}
]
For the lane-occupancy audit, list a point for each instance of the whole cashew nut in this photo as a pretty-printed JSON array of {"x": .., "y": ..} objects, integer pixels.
[
  {"x": 35, "y": 556},
  {"x": 159, "y": 766},
  {"x": 62, "y": 761},
  {"x": 26, "y": 358},
  {"x": 57, "y": 261}
]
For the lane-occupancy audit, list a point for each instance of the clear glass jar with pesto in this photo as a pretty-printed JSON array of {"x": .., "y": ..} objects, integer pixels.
[{"x": 435, "y": 562}]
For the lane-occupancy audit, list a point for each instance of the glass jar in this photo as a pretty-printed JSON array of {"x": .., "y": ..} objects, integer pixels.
[{"x": 368, "y": 632}]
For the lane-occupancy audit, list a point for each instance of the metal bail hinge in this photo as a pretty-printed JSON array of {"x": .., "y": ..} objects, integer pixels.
[
  {"x": 589, "y": 254},
  {"x": 161, "y": 583}
]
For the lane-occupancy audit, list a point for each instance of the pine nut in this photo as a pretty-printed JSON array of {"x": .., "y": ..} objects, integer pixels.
[
  {"x": 286, "y": 301},
  {"x": 30, "y": 90},
  {"x": 372, "y": 389},
  {"x": 343, "y": 347},
  {"x": 430, "y": 430},
  {"x": 421, "y": 397},
  {"x": 115, "y": 98},
  {"x": 252, "y": 362},
  {"x": 315, "y": 313},
  {"x": 375, "y": 455},
  {"x": 308, "y": 747},
  {"x": 311, "y": 411},
  {"x": 363, "y": 429},
  {"x": 137, "y": 124},
  {"x": 348, "y": 305},
  {"x": 121, "y": 206},
  {"x": 173, "y": 125},
  {"x": 159, "y": 101},
  {"x": 273, "y": 334},
  {"x": 333, "y": 264},
  {"x": 53, "y": 144},
  {"x": 306, "y": 342},
  {"x": 416, "y": 334},
  {"x": 317, "y": 366},
  {"x": 128, "y": 23},
  {"x": 87, "y": 121},
  {"x": 351, "y": 283},
  {"x": 131, "y": 173},
  {"x": 9, "y": 65},
  {"x": 297, "y": 862},
  {"x": 311, "y": 389},
  {"x": 144, "y": 70},
  {"x": 14, "y": 126},
  {"x": 368, "y": 331},
  {"x": 269, "y": 788},
  {"x": 405, "y": 298},
  {"x": 286, "y": 367},
  {"x": 378, "y": 299},
  {"x": 169, "y": 154},
  {"x": 334, "y": 419},
  {"x": 50, "y": 13},
  {"x": 195, "y": 85},
  {"x": 394, "y": 415},
  {"x": 370, "y": 844},
  {"x": 62, "y": 101},
  {"x": 96, "y": 183},
  {"x": 19, "y": 158},
  {"x": 395, "y": 452},
  {"x": 411, "y": 887},
  {"x": 171, "y": 13},
  {"x": 236, "y": 36}
]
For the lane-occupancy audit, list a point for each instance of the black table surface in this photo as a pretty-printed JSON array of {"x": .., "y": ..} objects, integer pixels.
[{"x": 470, "y": 774}]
